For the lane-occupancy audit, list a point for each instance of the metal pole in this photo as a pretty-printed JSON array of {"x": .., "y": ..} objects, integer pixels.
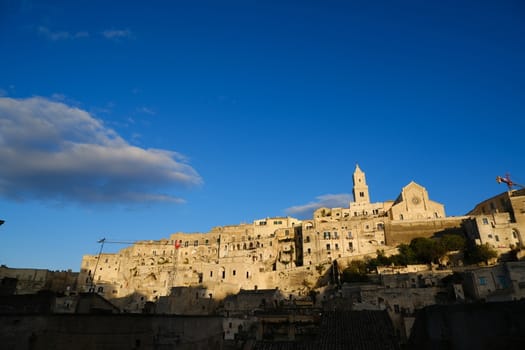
[{"x": 92, "y": 289}]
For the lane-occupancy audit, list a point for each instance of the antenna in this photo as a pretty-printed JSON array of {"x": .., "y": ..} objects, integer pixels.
[{"x": 92, "y": 288}]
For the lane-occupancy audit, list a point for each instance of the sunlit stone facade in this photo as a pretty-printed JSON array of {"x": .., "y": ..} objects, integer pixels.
[{"x": 282, "y": 252}]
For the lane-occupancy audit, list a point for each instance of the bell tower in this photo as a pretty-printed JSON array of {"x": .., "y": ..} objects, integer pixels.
[{"x": 360, "y": 189}]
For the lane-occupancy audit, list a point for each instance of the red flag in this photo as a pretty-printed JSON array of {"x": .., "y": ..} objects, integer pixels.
[{"x": 177, "y": 244}]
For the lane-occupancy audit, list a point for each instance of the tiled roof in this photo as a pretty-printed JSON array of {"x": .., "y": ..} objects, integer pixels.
[
  {"x": 356, "y": 330},
  {"x": 359, "y": 330}
]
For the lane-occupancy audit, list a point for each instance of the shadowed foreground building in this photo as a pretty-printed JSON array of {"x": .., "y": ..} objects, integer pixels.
[
  {"x": 477, "y": 326},
  {"x": 359, "y": 330},
  {"x": 109, "y": 332}
]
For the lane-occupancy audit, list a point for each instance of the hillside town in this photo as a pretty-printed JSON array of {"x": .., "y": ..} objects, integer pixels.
[{"x": 372, "y": 274}]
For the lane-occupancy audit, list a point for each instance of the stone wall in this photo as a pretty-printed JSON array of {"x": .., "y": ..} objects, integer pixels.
[
  {"x": 105, "y": 332},
  {"x": 397, "y": 232}
]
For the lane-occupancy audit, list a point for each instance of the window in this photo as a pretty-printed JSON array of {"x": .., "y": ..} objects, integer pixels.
[
  {"x": 514, "y": 234},
  {"x": 336, "y": 246},
  {"x": 350, "y": 235},
  {"x": 247, "y": 274},
  {"x": 307, "y": 239},
  {"x": 482, "y": 281},
  {"x": 485, "y": 221},
  {"x": 207, "y": 242},
  {"x": 361, "y": 194},
  {"x": 326, "y": 235},
  {"x": 186, "y": 244},
  {"x": 211, "y": 273},
  {"x": 502, "y": 281},
  {"x": 497, "y": 238},
  {"x": 328, "y": 246},
  {"x": 234, "y": 272},
  {"x": 400, "y": 216},
  {"x": 350, "y": 246},
  {"x": 309, "y": 251},
  {"x": 195, "y": 243},
  {"x": 100, "y": 290},
  {"x": 277, "y": 222}
]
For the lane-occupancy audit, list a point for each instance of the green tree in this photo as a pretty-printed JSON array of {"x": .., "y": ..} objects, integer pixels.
[
  {"x": 380, "y": 260},
  {"x": 475, "y": 254},
  {"x": 406, "y": 255},
  {"x": 427, "y": 250},
  {"x": 355, "y": 272},
  {"x": 452, "y": 242}
]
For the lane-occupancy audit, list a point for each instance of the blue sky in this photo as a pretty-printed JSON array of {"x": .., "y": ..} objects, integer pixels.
[{"x": 134, "y": 120}]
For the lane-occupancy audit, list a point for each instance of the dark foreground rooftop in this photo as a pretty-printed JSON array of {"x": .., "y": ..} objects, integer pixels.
[
  {"x": 357, "y": 330},
  {"x": 480, "y": 326}
]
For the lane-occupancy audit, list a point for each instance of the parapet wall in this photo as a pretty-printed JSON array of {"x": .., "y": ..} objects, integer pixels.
[{"x": 397, "y": 232}]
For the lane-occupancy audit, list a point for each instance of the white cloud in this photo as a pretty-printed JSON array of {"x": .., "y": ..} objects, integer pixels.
[
  {"x": 116, "y": 34},
  {"x": 50, "y": 150},
  {"x": 60, "y": 35},
  {"x": 327, "y": 200}
]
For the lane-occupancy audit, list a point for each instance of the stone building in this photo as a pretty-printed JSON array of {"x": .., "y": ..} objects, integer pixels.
[
  {"x": 499, "y": 221},
  {"x": 274, "y": 252},
  {"x": 503, "y": 282},
  {"x": 29, "y": 281}
]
